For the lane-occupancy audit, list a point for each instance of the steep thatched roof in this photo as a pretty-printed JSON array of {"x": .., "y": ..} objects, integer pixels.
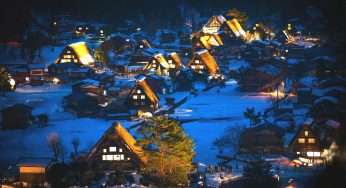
[
  {"x": 208, "y": 60},
  {"x": 160, "y": 59},
  {"x": 116, "y": 131},
  {"x": 83, "y": 53},
  {"x": 236, "y": 27},
  {"x": 217, "y": 37},
  {"x": 147, "y": 90},
  {"x": 176, "y": 58}
]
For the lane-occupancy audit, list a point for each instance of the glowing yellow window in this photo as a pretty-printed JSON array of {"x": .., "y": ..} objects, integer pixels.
[
  {"x": 306, "y": 133},
  {"x": 138, "y": 91},
  {"x": 135, "y": 97},
  {"x": 311, "y": 140},
  {"x": 142, "y": 96},
  {"x": 301, "y": 140}
]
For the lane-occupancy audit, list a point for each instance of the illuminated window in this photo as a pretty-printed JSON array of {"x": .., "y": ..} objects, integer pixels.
[
  {"x": 109, "y": 157},
  {"x": 65, "y": 60},
  {"x": 169, "y": 61},
  {"x": 68, "y": 51},
  {"x": 120, "y": 150},
  {"x": 139, "y": 91},
  {"x": 298, "y": 152},
  {"x": 75, "y": 60},
  {"x": 112, "y": 149},
  {"x": 142, "y": 96},
  {"x": 154, "y": 61},
  {"x": 193, "y": 67},
  {"x": 104, "y": 150},
  {"x": 128, "y": 158},
  {"x": 173, "y": 66},
  {"x": 306, "y": 133},
  {"x": 80, "y": 28},
  {"x": 313, "y": 154},
  {"x": 311, "y": 140},
  {"x": 101, "y": 31},
  {"x": 104, "y": 157},
  {"x": 196, "y": 61},
  {"x": 154, "y": 65},
  {"x": 135, "y": 97},
  {"x": 201, "y": 67},
  {"x": 301, "y": 140},
  {"x": 141, "y": 46},
  {"x": 127, "y": 40}
]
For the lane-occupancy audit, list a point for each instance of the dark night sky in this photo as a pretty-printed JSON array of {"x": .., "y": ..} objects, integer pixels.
[{"x": 14, "y": 14}]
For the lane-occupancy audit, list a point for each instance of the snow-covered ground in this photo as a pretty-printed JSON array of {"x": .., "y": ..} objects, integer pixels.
[
  {"x": 32, "y": 142},
  {"x": 228, "y": 103},
  {"x": 227, "y": 107}
]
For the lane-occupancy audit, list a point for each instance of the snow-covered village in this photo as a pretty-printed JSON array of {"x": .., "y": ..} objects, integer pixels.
[{"x": 181, "y": 93}]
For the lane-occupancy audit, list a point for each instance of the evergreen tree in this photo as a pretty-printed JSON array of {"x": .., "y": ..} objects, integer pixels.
[
  {"x": 239, "y": 15},
  {"x": 102, "y": 56},
  {"x": 4, "y": 78},
  {"x": 257, "y": 174},
  {"x": 169, "y": 151},
  {"x": 251, "y": 114}
]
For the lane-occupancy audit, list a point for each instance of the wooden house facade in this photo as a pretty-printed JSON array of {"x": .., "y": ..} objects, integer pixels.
[
  {"x": 261, "y": 79},
  {"x": 117, "y": 150},
  {"x": 202, "y": 62},
  {"x": 142, "y": 98},
  {"x": 175, "y": 64},
  {"x": 32, "y": 171},
  {"x": 36, "y": 70},
  {"x": 78, "y": 53},
  {"x": 306, "y": 144},
  {"x": 17, "y": 116},
  {"x": 158, "y": 65},
  {"x": 262, "y": 139},
  {"x": 214, "y": 24},
  {"x": 78, "y": 73},
  {"x": 20, "y": 75}
]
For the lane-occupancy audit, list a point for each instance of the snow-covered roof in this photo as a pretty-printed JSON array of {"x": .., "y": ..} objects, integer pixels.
[
  {"x": 141, "y": 78},
  {"x": 321, "y": 92},
  {"x": 288, "y": 138},
  {"x": 269, "y": 69},
  {"x": 308, "y": 81},
  {"x": 33, "y": 162},
  {"x": 260, "y": 42},
  {"x": 327, "y": 98},
  {"x": 308, "y": 121},
  {"x": 85, "y": 69},
  {"x": 36, "y": 66},
  {"x": 91, "y": 81},
  {"x": 332, "y": 123}
]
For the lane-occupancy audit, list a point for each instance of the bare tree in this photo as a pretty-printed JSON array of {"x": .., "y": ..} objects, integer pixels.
[
  {"x": 233, "y": 134},
  {"x": 62, "y": 151},
  {"x": 229, "y": 139},
  {"x": 75, "y": 143},
  {"x": 54, "y": 143}
]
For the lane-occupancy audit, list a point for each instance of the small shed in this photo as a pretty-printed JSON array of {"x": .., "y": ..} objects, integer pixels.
[
  {"x": 16, "y": 116},
  {"x": 32, "y": 171}
]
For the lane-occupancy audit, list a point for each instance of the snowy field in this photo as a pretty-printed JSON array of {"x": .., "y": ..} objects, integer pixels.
[
  {"x": 228, "y": 103},
  {"x": 214, "y": 112},
  {"x": 32, "y": 142}
]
